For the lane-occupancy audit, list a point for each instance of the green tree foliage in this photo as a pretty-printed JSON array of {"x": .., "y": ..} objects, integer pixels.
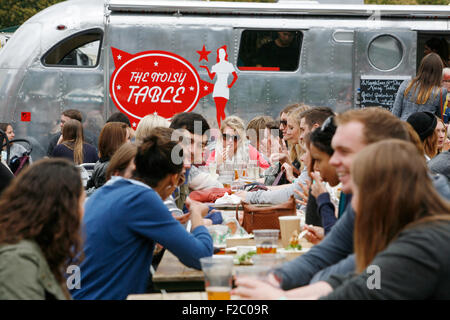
[{"x": 16, "y": 12}]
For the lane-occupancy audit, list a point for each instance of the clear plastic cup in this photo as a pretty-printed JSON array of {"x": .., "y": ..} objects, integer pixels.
[
  {"x": 269, "y": 260},
  {"x": 218, "y": 271},
  {"x": 212, "y": 168},
  {"x": 253, "y": 170},
  {"x": 259, "y": 272},
  {"x": 266, "y": 240}
]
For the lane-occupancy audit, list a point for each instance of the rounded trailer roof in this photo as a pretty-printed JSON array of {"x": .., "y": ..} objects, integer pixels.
[{"x": 280, "y": 8}]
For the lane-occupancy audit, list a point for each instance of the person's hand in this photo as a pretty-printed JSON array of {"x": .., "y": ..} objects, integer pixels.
[
  {"x": 60, "y": 139},
  {"x": 195, "y": 206},
  {"x": 158, "y": 248},
  {"x": 199, "y": 207},
  {"x": 183, "y": 218},
  {"x": 318, "y": 187},
  {"x": 446, "y": 146},
  {"x": 289, "y": 170},
  {"x": 304, "y": 194},
  {"x": 273, "y": 281},
  {"x": 207, "y": 222},
  {"x": 278, "y": 157},
  {"x": 227, "y": 153},
  {"x": 314, "y": 234},
  {"x": 241, "y": 194},
  {"x": 253, "y": 289}
]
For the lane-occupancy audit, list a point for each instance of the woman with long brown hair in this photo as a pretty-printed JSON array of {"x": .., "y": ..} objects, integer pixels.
[
  {"x": 424, "y": 92},
  {"x": 122, "y": 162},
  {"x": 40, "y": 216},
  {"x": 73, "y": 146},
  {"x": 112, "y": 136}
]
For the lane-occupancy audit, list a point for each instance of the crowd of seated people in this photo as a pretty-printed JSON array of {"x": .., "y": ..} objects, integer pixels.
[{"x": 374, "y": 189}]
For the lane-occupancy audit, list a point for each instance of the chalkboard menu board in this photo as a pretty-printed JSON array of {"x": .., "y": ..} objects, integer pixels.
[{"x": 379, "y": 91}]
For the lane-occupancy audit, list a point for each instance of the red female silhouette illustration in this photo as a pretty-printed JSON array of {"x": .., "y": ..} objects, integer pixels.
[{"x": 221, "y": 92}]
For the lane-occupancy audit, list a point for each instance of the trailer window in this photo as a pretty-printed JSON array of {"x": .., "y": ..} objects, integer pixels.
[
  {"x": 385, "y": 52},
  {"x": 269, "y": 50},
  {"x": 80, "y": 50}
]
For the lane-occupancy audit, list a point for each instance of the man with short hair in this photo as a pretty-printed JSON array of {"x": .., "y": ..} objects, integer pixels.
[
  {"x": 334, "y": 255},
  {"x": 195, "y": 133},
  {"x": 255, "y": 130},
  {"x": 282, "y": 52},
  {"x": 119, "y": 117},
  {"x": 312, "y": 119}
]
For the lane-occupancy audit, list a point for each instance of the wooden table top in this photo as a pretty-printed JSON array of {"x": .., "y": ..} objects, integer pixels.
[
  {"x": 198, "y": 295},
  {"x": 170, "y": 269},
  {"x": 195, "y": 295}
]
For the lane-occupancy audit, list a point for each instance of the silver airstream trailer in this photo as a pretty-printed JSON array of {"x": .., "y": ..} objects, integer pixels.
[{"x": 80, "y": 54}]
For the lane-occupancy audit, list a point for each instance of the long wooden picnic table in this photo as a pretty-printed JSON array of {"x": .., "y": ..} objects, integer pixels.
[{"x": 173, "y": 276}]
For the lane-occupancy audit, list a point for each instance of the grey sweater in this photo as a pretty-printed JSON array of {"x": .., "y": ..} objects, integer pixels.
[
  {"x": 405, "y": 106},
  {"x": 279, "y": 195},
  {"x": 441, "y": 164},
  {"x": 415, "y": 266}
]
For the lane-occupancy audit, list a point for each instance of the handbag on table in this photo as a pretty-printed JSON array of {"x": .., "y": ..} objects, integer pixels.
[{"x": 265, "y": 217}]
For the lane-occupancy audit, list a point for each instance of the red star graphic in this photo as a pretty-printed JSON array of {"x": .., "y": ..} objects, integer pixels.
[{"x": 203, "y": 54}]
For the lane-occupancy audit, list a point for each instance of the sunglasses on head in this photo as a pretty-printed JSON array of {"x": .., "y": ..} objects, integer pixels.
[{"x": 227, "y": 137}]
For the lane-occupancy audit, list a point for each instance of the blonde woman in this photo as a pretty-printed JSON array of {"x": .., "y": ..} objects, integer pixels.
[
  {"x": 147, "y": 124},
  {"x": 291, "y": 161},
  {"x": 233, "y": 146}
]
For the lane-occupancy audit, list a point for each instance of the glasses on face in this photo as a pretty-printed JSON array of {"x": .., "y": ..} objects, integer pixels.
[
  {"x": 283, "y": 122},
  {"x": 328, "y": 124},
  {"x": 228, "y": 137}
]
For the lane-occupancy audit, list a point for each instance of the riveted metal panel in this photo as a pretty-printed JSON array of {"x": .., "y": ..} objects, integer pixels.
[{"x": 364, "y": 67}]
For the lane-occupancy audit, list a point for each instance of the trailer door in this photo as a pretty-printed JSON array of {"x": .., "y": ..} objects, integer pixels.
[{"x": 382, "y": 60}]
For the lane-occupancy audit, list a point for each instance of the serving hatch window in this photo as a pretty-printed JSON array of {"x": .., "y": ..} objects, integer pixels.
[
  {"x": 269, "y": 50},
  {"x": 79, "y": 50}
]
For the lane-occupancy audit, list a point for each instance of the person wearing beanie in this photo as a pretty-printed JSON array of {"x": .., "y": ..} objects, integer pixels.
[{"x": 424, "y": 123}]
